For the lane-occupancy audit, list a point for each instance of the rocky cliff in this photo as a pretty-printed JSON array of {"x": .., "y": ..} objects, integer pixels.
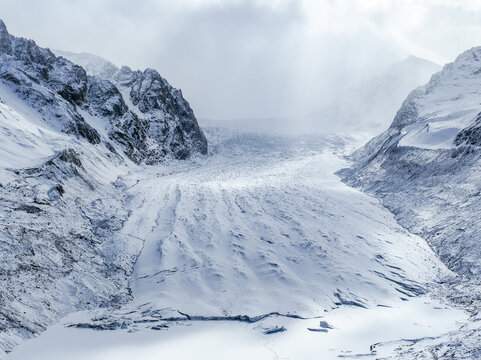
[{"x": 137, "y": 112}]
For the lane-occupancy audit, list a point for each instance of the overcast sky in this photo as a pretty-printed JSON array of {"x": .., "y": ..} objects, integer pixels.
[{"x": 252, "y": 58}]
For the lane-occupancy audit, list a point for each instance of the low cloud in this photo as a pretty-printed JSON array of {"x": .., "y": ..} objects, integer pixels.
[{"x": 252, "y": 58}]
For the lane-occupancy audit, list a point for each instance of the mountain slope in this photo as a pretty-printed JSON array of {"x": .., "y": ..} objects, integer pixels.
[
  {"x": 154, "y": 102},
  {"x": 144, "y": 117},
  {"x": 425, "y": 169},
  {"x": 259, "y": 228},
  {"x": 65, "y": 138},
  {"x": 426, "y": 163}
]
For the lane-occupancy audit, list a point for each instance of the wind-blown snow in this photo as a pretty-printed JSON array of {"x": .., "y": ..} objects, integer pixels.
[
  {"x": 26, "y": 139},
  {"x": 259, "y": 230}
]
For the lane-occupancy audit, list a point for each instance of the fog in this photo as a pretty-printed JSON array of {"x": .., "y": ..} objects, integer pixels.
[{"x": 245, "y": 59}]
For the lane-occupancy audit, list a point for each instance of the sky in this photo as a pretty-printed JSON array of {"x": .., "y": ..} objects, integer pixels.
[{"x": 253, "y": 58}]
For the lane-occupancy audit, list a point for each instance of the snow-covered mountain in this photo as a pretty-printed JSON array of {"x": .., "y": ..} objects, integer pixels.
[
  {"x": 65, "y": 139},
  {"x": 137, "y": 113},
  {"x": 97, "y": 214},
  {"x": 429, "y": 158},
  {"x": 370, "y": 105},
  {"x": 425, "y": 169}
]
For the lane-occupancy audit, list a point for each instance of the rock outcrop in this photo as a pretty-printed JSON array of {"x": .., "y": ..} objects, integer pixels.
[{"x": 138, "y": 111}]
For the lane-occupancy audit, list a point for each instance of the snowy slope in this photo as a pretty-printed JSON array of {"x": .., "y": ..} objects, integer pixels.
[
  {"x": 425, "y": 169},
  {"x": 431, "y": 144},
  {"x": 65, "y": 139},
  {"x": 26, "y": 139},
  {"x": 262, "y": 226},
  {"x": 259, "y": 227},
  {"x": 58, "y": 214}
]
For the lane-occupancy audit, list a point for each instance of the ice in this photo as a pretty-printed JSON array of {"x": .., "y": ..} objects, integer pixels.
[{"x": 356, "y": 330}]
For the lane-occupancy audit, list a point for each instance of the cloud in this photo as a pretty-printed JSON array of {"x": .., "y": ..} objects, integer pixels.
[{"x": 253, "y": 58}]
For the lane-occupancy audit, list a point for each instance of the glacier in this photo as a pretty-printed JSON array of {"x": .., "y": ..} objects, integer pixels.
[{"x": 126, "y": 230}]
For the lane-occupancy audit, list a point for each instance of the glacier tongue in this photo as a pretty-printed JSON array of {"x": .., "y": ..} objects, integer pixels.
[
  {"x": 261, "y": 232},
  {"x": 260, "y": 229},
  {"x": 261, "y": 226}
]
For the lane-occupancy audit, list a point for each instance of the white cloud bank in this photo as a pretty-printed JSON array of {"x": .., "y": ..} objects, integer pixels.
[{"x": 253, "y": 58}]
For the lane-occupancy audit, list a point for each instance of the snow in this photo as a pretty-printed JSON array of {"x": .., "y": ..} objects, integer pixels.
[
  {"x": 425, "y": 169},
  {"x": 438, "y": 133},
  {"x": 260, "y": 225},
  {"x": 353, "y": 332},
  {"x": 448, "y": 103},
  {"x": 263, "y": 225},
  {"x": 260, "y": 232},
  {"x": 26, "y": 139}
]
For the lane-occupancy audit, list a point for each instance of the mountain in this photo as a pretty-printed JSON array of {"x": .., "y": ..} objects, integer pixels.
[
  {"x": 169, "y": 117},
  {"x": 140, "y": 115},
  {"x": 94, "y": 65},
  {"x": 97, "y": 218},
  {"x": 369, "y": 105},
  {"x": 66, "y": 140},
  {"x": 425, "y": 168}
]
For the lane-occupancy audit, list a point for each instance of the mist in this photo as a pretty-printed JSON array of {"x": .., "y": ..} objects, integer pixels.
[{"x": 248, "y": 59}]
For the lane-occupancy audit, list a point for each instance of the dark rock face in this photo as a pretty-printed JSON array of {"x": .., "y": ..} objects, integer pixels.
[
  {"x": 158, "y": 122},
  {"x": 470, "y": 135},
  {"x": 5, "y": 43},
  {"x": 125, "y": 127},
  {"x": 170, "y": 120},
  {"x": 53, "y": 86},
  {"x": 408, "y": 112}
]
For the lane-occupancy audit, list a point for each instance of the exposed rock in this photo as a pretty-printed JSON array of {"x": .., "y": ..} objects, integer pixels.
[
  {"x": 155, "y": 121},
  {"x": 70, "y": 156},
  {"x": 29, "y": 209},
  {"x": 148, "y": 117},
  {"x": 274, "y": 330},
  {"x": 67, "y": 258}
]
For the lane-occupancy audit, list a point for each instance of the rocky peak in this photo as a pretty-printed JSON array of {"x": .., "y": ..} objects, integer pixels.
[
  {"x": 159, "y": 112},
  {"x": 147, "y": 118},
  {"x": 5, "y": 43},
  {"x": 3, "y": 29},
  {"x": 450, "y": 98}
]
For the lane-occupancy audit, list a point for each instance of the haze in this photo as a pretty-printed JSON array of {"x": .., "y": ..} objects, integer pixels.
[{"x": 253, "y": 59}]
